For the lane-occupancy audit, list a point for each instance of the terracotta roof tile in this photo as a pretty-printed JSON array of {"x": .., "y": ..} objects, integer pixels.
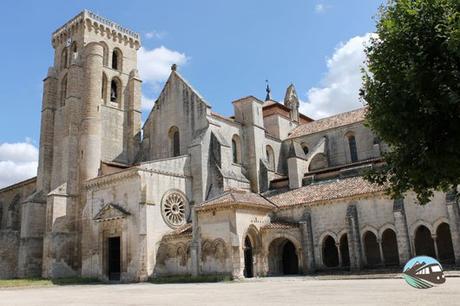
[
  {"x": 237, "y": 197},
  {"x": 342, "y": 119},
  {"x": 324, "y": 191},
  {"x": 280, "y": 225}
]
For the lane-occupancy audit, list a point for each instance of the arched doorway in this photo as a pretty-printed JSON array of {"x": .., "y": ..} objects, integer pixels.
[
  {"x": 290, "y": 260},
  {"x": 390, "y": 248},
  {"x": 444, "y": 244},
  {"x": 424, "y": 244},
  {"x": 330, "y": 252},
  {"x": 371, "y": 248},
  {"x": 282, "y": 257},
  {"x": 344, "y": 252},
  {"x": 248, "y": 259}
]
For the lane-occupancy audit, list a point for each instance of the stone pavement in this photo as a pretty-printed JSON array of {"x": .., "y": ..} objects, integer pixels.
[{"x": 266, "y": 291}]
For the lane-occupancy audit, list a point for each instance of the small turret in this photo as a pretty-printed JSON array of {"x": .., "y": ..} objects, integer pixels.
[{"x": 292, "y": 102}]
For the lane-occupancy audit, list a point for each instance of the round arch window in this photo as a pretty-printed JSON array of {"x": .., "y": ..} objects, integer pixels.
[{"x": 175, "y": 209}]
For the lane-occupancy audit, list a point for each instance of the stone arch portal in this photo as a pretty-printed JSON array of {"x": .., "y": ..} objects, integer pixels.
[{"x": 283, "y": 259}]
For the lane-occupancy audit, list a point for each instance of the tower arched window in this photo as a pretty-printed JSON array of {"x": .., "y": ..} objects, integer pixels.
[
  {"x": 270, "y": 157},
  {"x": 64, "y": 58},
  {"x": 174, "y": 139},
  {"x": 236, "y": 149},
  {"x": 116, "y": 59},
  {"x": 74, "y": 51},
  {"x": 104, "y": 87},
  {"x": 63, "y": 90},
  {"x": 352, "y": 148},
  {"x": 115, "y": 88}
]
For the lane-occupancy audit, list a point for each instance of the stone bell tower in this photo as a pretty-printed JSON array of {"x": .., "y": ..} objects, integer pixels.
[{"x": 91, "y": 113}]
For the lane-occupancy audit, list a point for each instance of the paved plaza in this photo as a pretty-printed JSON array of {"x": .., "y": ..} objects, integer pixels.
[{"x": 267, "y": 291}]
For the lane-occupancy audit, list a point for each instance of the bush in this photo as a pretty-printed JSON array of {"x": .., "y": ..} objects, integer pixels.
[{"x": 190, "y": 279}]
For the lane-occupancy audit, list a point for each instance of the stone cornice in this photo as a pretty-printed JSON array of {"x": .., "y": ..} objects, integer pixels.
[{"x": 100, "y": 25}]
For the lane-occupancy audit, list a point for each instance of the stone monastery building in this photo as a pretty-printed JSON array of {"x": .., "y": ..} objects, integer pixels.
[{"x": 267, "y": 191}]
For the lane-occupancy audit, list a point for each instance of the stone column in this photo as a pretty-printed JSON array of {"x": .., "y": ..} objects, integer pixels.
[
  {"x": 90, "y": 129},
  {"x": 354, "y": 242},
  {"x": 454, "y": 223},
  {"x": 402, "y": 231},
  {"x": 382, "y": 258},
  {"x": 307, "y": 244}
]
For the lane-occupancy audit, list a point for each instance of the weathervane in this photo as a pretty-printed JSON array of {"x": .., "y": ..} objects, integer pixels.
[{"x": 268, "y": 90}]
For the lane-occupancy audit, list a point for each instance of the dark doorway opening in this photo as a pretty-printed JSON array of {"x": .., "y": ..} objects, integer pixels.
[
  {"x": 114, "y": 260},
  {"x": 290, "y": 260},
  {"x": 344, "y": 251},
  {"x": 248, "y": 261},
  {"x": 424, "y": 244}
]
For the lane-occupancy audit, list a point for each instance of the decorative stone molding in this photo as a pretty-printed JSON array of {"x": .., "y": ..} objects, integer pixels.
[{"x": 175, "y": 208}]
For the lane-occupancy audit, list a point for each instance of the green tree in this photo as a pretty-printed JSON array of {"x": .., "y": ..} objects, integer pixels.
[{"x": 412, "y": 88}]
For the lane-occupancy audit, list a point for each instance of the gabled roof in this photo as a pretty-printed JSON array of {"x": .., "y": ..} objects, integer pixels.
[
  {"x": 354, "y": 116},
  {"x": 325, "y": 191},
  {"x": 111, "y": 212},
  {"x": 237, "y": 197}
]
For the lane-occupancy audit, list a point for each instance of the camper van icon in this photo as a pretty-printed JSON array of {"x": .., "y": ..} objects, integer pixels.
[{"x": 423, "y": 272}]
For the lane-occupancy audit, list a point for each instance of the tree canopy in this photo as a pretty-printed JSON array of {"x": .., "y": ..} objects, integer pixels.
[{"x": 412, "y": 88}]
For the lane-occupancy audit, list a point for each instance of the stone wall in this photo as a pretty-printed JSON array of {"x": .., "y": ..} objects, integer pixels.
[{"x": 9, "y": 246}]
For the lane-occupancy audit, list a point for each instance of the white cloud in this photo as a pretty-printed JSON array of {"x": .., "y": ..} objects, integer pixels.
[
  {"x": 155, "y": 64},
  {"x": 146, "y": 103},
  {"x": 154, "y": 34},
  {"x": 18, "y": 161},
  {"x": 339, "y": 89}
]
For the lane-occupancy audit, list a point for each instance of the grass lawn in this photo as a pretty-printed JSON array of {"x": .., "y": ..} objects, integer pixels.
[{"x": 33, "y": 282}]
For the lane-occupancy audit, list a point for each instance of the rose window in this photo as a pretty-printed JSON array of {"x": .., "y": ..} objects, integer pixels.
[{"x": 175, "y": 209}]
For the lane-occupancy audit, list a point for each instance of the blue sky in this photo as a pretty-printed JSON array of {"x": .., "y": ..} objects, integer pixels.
[{"x": 226, "y": 50}]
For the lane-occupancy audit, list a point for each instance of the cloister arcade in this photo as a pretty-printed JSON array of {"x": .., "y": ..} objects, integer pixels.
[{"x": 282, "y": 254}]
